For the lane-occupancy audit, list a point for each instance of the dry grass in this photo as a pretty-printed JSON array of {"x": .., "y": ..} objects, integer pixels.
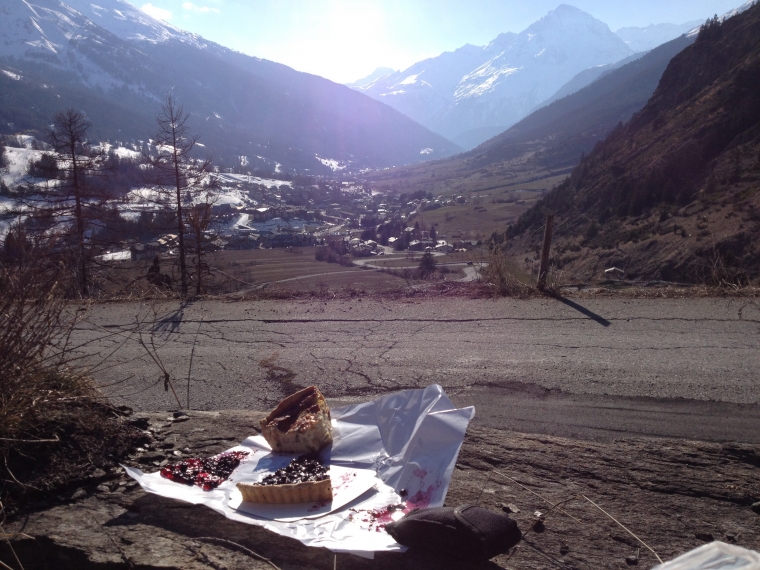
[
  {"x": 54, "y": 425},
  {"x": 499, "y": 275},
  {"x": 241, "y": 271},
  {"x": 32, "y": 326},
  {"x": 292, "y": 276}
]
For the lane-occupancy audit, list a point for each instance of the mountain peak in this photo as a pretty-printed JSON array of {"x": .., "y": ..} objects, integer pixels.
[
  {"x": 568, "y": 9},
  {"x": 492, "y": 87},
  {"x": 565, "y": 17}
]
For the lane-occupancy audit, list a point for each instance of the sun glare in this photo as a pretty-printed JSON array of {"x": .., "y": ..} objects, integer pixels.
[{"x": 345, "y": 37}]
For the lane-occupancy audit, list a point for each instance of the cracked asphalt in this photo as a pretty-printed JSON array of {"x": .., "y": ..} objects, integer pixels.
[{"x": 597, "y": 368}]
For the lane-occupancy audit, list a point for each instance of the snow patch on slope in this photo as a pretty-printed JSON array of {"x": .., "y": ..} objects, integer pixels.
[
  {"x": 411, "y": 80},
  {"x": 12, "y": 75},
  {"x": 17, "y": 160},
  {"x": 331, "y": 163},
  {"x": 483, "y": 79}
]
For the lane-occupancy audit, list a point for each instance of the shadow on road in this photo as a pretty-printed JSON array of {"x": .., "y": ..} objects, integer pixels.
[
  {"x": 171, "y": 322},
  {"x": 581, "y": 309}
]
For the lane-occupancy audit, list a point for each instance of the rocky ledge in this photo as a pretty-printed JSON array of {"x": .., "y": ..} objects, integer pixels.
[{"x": 672, "y": 494}]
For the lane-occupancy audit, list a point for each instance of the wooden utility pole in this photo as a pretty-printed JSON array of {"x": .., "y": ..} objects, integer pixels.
[{"x": 544, "y": 267}]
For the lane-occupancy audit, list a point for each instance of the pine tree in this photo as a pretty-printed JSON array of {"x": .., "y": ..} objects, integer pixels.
[{"x": 427, "y": 265}]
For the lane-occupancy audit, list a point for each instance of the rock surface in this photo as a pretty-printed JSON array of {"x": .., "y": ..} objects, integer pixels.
[{"x": 673, "y": 494}]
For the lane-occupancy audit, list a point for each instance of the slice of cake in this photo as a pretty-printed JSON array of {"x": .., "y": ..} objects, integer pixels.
[
  {"x": 299, "y": 424},
  {"x": 304, "y": 480}
]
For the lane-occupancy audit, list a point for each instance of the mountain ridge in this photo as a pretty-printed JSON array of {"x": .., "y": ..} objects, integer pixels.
[
  {"x": 491, "y": 87},
  {"x": 250, "y": 110},
  {"x": 573, "y": 124},
  {"x": 364, "y": 82},
  {"x": 649, "y": 37}
]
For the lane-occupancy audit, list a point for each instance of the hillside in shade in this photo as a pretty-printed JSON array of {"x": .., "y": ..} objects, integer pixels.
[
  {"x": 673, "y": 194},
  {"x": 561, "y": 132}
]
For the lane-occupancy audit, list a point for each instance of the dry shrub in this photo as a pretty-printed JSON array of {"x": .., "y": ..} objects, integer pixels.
[
  {"x": 31, "y": 314},
  {"x": 555, "y": 281},
  {"x": 724, "y": 274},
  {"x": 499, "y": 276},
  {"x": 54, "y": 426}
]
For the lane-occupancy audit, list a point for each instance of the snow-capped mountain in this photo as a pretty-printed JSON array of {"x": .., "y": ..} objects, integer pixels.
[
  {"x": 116, "y": 63},
  {"x": 649, "y": 37},
  {"x": 130, "y": 23},
  {"x": 50, "y": 32},
  {"x": 487, "y": 89}
]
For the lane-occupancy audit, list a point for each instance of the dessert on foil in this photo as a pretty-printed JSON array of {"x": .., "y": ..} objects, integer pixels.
[{"x": 299, "y": 424}]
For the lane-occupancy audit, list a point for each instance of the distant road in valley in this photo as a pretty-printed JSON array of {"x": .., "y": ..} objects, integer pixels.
[
  {"x": 589, "y": 368},
  {"x": 471, "y": 271}
]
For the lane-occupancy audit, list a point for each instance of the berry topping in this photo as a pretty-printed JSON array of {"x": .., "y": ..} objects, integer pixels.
[
  {"x": 207, "y": 473},
  {"x": 300, "y": 470}
]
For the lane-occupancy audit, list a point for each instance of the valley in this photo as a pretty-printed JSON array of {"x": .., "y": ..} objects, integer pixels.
[
  {"x": 191, "y": 231},
  {"x": 475, "y": 199}
]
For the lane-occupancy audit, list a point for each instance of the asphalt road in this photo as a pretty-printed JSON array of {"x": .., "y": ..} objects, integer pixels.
[{"x": 588, "y": 368}]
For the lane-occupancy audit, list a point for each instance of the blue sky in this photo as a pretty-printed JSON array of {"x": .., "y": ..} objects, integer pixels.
[{"x": 345, "y": 40}]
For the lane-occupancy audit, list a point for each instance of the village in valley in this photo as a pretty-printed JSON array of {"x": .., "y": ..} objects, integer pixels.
[
  {"x": 340, "y": 218},
  {"x": 254, "y": 212}
]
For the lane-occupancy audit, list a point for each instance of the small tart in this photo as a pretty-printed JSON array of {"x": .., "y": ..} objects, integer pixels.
[
  {"x": 299, "y": 424},
  {"x": 304, "y": 480},
  {"x": 307, "y": 492}
]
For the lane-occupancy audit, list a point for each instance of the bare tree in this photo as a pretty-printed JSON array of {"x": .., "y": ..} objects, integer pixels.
[
  {"x": 65, "y": 206},
  {"x": 179, "y": 177},
  {"x": 199, "y": 220},
  {"x": 16, "y": 246},
  {"x": 68, "y": 138}
]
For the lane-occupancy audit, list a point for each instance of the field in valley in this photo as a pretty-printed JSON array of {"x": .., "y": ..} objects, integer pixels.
[
  {"x": 496, "y": 194},
  {"x": 289, "y": 270}
]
